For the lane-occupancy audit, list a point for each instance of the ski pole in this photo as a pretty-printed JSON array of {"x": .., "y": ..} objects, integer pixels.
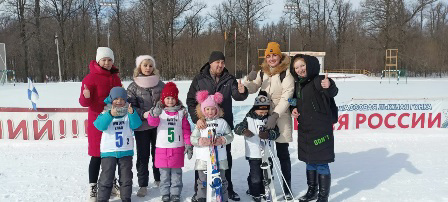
[{"x": 277, "y": 167}]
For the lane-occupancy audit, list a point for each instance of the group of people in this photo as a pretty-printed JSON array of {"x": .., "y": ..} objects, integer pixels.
[{"x": 151, "y": 111}]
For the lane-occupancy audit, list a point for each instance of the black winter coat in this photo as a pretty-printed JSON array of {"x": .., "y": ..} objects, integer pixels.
[
  {"x": 227, "y": 86},
  {"x": 315, "y": 129}
]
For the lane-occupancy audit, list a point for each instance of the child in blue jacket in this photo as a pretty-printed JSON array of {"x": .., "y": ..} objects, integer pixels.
[{"x": 117, "y": 144}]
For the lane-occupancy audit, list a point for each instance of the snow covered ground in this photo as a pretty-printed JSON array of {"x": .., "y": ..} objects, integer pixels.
[{"x": 371, "y": 165}]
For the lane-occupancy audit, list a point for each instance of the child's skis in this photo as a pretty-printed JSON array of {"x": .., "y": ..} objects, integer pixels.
[
  {"x": 268, "y": 181},
  {"x": 213, "y": 179}
]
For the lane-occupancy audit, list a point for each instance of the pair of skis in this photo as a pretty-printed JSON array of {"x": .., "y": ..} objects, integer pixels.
[
  {"x": 268, "y": 180},
  {"x": 214, "y": 187}
]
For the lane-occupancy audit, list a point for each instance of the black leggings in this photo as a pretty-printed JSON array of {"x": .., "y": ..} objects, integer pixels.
[{"x": 94, "y": 169}]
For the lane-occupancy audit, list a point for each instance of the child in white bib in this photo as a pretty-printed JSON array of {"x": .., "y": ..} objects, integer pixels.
[
  {"x": 209, "y": 110},
  {"x": 173, "y": 140},
  {"x": 117, "y": 144},
  {"x": 254, "y": 131}
]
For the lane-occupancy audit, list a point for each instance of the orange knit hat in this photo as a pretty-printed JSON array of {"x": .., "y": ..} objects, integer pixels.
[{"x": 273, "y": 48}]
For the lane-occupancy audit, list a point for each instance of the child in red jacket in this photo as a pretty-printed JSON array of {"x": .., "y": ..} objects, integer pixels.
[{"x": 95, "y": 88}]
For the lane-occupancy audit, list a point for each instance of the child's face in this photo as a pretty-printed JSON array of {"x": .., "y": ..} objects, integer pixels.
[
  {"x": 210, "y": 112},
  {"x": 106, "y": 63},
  {"x": 170, "y": 101},
  {"x": 300, "y": 68},
  {"x": 119, "y": 102},
  {"x": 262, "y": 112},
  {"x": 147, "y": 67}
]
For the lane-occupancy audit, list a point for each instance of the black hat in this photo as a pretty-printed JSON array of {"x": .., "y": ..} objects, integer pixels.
[
  {"x": 262, "y": 101},
  {"x": 216, "y": 55}
]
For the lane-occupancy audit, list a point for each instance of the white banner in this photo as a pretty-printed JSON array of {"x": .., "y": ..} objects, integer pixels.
[
  {"x": 393, "y": 114},
  {"x": 44, "y": 124}
]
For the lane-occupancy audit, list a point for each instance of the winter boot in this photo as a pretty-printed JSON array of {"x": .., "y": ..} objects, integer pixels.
[
  {"x": 256, "y": 199},
  {"x": 311, "y": 180},
  {"x": 93, "y": 192},
  {"x": 193, "y": 198},
  {"x": 142, "y": 192},
  {"x": 324, "y": 187},
  {"x": 115, "y": 188},
  {"x": 166, "y": 198},
  {"x": 175, "y": 198},
  {"x": 156, "y": 184}
]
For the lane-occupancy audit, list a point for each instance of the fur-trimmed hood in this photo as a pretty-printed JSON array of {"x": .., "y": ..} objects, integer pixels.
[{"x": 283, "y": 66}]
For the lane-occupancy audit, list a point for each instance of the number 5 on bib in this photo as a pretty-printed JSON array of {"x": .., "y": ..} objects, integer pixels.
[{"x": 119, "y": 139}]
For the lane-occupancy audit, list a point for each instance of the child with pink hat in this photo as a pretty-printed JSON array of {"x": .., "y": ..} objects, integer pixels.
[{"x": 209, "y": 110}]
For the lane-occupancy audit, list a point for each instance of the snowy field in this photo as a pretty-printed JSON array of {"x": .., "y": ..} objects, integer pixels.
[{"x": 371, "y": 165}]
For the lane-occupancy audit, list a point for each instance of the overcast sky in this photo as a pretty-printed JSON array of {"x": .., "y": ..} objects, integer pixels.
[{"x": 275, "y": 9}]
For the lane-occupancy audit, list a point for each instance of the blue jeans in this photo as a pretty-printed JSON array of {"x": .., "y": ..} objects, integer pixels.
[{"x": 322, "y": 169}]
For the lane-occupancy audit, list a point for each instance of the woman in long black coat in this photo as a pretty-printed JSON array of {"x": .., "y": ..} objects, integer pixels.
[{"x": 312, "y": 94}]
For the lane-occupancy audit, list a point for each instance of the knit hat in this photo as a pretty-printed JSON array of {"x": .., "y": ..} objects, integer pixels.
[
  {"x": 206, "y": 100},
  {"x": 170, "y": 90},
  {"x": 140, "y": 59},
  {"x": 103, "y": 52},
  {"x": 262, "y": 101},
  {"x": 273, "y": 48},
  {"x": 118, "y": 92},
  {"x": 216, "y": 55}
]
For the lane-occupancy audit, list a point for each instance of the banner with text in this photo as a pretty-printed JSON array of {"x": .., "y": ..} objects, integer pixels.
[{"x": 393, "y": 114}]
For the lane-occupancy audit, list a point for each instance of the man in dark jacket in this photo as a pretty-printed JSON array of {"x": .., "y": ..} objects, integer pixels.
[
  {"x": 313, "y": 94},
  {"x": 214, "y": 77}
]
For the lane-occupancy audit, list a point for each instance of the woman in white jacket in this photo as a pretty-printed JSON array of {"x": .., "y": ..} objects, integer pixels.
[{"x": 276, "y": 79}]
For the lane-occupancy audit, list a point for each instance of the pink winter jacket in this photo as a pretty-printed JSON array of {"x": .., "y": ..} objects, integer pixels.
[{"x": 171, "y": 157}]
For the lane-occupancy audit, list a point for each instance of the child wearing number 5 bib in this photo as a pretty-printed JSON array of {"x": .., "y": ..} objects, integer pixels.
[
  {"x": 117, "y": 144},
  {"x": 173, "y": 141}
]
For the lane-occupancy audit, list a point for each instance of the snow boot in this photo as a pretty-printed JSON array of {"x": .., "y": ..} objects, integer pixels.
[
  {"x": 166, "y": 198},
  {"x": 156, "y": 184},
  {"x": 175, "y": 198},
  {"x": 142, "y": 192},
  {"x": 256, "y": 199},
  {"x": 324, "y": 188},
  {"x": 311, "y": 180},
  {"x": 93, "y": 192},
  {"x": 193, "y": 198},
  {"x": 115, "y": 188}
]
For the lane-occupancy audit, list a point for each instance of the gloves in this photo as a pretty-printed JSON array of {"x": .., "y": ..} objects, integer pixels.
[
  {"x": 263, "y": 134},
  {"x": 189, "y": 151},
  {"x": 156, "y": 110},
  {"x": 220, "y": 141},
  {"x": 292, "y": 102},
  {"x": 204, "y": 141},
  {"x": 248, "y": 133},
  {"x": 252, "y": 75},
  {"x": 272, "y": 121}
]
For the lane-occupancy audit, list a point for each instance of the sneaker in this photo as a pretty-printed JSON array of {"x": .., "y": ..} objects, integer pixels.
[
  {"x": 93, "y": 192},
  {"x": 156, "y": 184},
  {"x": 193, "y": 198},
  {"x": 175, "y": 198},
  {"x": 166, "y": 198},
  {"x": 115, "y": 188},
  {"x": 142, "y": 192},
  {"x": 288, "y": 197},
  {"x": 234, "y": 196},
  {"x": 256, "y": 199},
  {"x": 248, "y": 193}
]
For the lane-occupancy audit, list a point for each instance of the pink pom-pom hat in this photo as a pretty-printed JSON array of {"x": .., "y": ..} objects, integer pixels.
[{"x": 207, "y": 100}]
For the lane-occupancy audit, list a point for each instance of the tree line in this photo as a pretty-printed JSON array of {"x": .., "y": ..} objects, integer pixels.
[{"x": 180, "y": 34}]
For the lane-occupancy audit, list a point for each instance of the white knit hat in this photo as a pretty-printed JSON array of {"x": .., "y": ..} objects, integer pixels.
[
  {"x": 140, "y": 59},
  {"x": 103, "y": 52}
]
